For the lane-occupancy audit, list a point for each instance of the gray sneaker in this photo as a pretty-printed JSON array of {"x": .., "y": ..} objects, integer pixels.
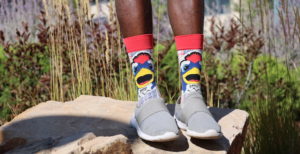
[
  {"x": 193, "y": 116},
  {"x": 153, "y": 122}
]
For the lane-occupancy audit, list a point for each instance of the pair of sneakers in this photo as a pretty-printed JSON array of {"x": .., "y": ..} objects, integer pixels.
[{"x": 153, "y": 121}]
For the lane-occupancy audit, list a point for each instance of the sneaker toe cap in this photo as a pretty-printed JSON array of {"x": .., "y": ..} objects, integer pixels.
[
  {"x": 202, "y": 122},
  {"x": 158, "y": 124}
]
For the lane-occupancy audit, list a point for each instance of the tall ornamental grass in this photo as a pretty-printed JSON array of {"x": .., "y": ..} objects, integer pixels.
[
  {"x": 275, "y": 108},
  {"x": 97, "y": 61}
]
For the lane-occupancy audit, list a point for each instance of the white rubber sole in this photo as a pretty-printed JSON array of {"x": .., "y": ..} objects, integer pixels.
[
  {"x": 168, "y": 136},
  {"x": 209, "y": 134}
]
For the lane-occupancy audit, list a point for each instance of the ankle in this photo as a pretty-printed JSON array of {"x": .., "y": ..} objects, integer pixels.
[
  {"x": 140, "y": 50},
  {"x": 190, "y": 57}
]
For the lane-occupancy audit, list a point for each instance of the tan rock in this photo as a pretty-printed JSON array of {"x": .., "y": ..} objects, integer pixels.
[
  {"x": 116, "y": 144},
  {"x": 93, "y": 124}
]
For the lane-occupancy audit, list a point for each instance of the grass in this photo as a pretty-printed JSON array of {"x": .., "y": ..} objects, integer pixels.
[
  {"x": 274, "y": 111},
  {"x": 77, "y": 42}
]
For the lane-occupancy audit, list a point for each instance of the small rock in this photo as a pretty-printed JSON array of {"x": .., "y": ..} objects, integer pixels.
[{"x": 106, "y": 145}]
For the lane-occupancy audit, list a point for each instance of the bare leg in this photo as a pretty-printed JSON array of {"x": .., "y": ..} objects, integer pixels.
[
  {"x": 135, "y": 17},
  {"x": 186, "y": 16}
]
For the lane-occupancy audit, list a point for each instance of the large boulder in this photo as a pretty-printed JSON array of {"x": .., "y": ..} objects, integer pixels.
[{"x": 93, "y": 124}]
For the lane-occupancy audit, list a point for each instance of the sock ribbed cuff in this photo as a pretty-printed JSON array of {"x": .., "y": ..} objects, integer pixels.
[
  {"x": 190, "y": 41},
  {"x": 138, "y": 42}
]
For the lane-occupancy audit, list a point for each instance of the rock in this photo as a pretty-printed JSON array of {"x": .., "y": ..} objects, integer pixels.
[
  {"x": 92, "y": 144},
  {"x": 109, "y": 145},
  {"x": 81, "y": 143},
  {"x": 93, "y": 124}
]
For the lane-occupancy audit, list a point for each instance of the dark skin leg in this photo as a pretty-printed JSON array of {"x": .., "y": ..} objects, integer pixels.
[
  {"x": 135, "y": 17},
  {"x": 186, "y": 16}
]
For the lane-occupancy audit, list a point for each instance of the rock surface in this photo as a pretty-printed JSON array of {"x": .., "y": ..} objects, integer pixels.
[{"x": 93, "y": 124}]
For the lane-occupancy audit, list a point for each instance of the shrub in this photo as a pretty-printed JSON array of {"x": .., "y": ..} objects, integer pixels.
[
  {"x": 273, "y": 102},
  {"x": 272, "y": 129},
  {"x": 282, "y": 84},
  {"x": 168, "y": 74},
  {"x": 24, "y": 73}
]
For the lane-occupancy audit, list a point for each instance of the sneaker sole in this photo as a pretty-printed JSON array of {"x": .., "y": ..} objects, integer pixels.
[
  {"x": 168, "y": 136},
  {"x": 209, "y": 134}
]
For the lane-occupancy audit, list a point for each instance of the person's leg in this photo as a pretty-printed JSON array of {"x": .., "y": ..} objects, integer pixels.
[
  {"x": 134, "y": 16},
  {"x": 187, "y": 17},
  {"x": 152, "y": 119}
]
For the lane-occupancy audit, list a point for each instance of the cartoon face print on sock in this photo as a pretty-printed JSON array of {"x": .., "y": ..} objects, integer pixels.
[
  {"x": 190, "y": 67},
  {"x": 142, "y": 68}
]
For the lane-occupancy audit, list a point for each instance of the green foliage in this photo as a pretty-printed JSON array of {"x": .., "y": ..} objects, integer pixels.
[
  {"x": 273, "y": 102},
  {"x": 168, "y": 75},
  {"x": 274, "y": 68},
  {"x": 275, "y": 77},
  {"x": 272, "y": 129},
  {"x": 2, "y": 54},
  {"x": 24, "y": 71}
]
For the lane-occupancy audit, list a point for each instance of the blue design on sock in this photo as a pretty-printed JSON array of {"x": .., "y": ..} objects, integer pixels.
[
  {"x": 190, "y": 68},
  {"x": 143, "y": 70}
]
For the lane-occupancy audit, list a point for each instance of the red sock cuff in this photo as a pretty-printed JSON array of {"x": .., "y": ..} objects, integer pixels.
[
  {"x": 191, "y": 41},
  {"x": 138, "y": 42}
]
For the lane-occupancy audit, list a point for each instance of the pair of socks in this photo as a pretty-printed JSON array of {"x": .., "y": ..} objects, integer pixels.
[{"x": 140, "y": 49}]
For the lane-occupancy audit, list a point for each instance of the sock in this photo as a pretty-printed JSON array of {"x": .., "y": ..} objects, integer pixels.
[
  {"x": 139, "y": 49},
  {"x": 189, "y": 57}
]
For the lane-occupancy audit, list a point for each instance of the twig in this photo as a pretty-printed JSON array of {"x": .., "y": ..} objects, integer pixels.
[{"x": 247, "y": 83}]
